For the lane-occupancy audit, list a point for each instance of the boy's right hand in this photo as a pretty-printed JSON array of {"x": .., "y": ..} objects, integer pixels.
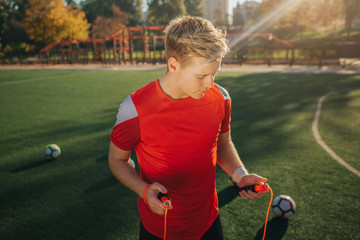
[{"x": 151, "y": 197}]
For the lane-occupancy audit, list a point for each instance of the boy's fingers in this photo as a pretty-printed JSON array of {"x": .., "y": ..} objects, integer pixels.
[
  {"x": 155, "y": 204},
  {"x": 252, "y": 179},
  {"x": 250, "y": 195},
  {"x": 261, "y": 180},
  {"x": 158, "y": 187}
]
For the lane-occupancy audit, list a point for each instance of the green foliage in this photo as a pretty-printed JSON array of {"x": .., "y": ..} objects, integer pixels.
[
  {"x": 352, "y": 10},
  {"x": 194, "y": 7},
  {"x": 244, "y": 14},
  {"x": 70, "y": 2},
  {"x": 95, "y": 8},
  {"x": 238, "y": 18},
  {"x": 11, "y": 14},
  {"x": 8, "y": 49},
  {"x": 103, "y": 27},
  {"x": 15, "y": 52},
  {"x": 307, "y": 15},
  {"x": 49, "y": 21},
  {"x": 139, "y": 15},
  {"x": 160, "y": 12},
  {"x": 219, "y": 19},
  {"x": 14, "y": 32}
]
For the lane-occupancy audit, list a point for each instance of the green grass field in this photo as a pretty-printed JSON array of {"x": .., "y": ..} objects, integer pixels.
[{"x": 76, "y": 196}]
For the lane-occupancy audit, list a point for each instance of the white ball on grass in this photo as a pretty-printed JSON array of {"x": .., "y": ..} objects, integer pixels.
[
  {"x": 284, "y": 206},
  {"x": 52, "y": 151}
]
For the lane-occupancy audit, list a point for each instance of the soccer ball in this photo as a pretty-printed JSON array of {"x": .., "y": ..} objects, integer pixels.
[
  {"x": 52, "y": 151},
  {"x": 283, "y": 206}
]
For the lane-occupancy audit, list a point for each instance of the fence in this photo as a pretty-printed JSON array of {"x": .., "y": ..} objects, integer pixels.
[{"x": 132, "y": 45}]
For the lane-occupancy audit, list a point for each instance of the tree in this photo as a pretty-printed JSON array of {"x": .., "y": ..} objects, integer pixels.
[
  {"x": 326, "y": 11},
  {"x": 286, "y": 18},
  {"x": 16, "y": 8},
  {"x": 13, "y": 32},
  {"x": 139, "y": 12},
  {"x": 194, "y": 7},
  {"x": 161, "y": 12},
  {"x": 11, "y": 14},
  {"x": 95, "y": 8},
  {"x": 104, "y": 27},
  {"x": 48, "y": 21},
  {"x": 245, "y": 14},
  {"x": 310, "y": 15},
  {"x": 218, "y": 18},
  {"x": 2, "y": 54},
  {"x": 239, "y": 18},
  {"x": 352, "y": 10},
  {"x": 70, "y": 2},
  {"x": 76, "y": 23}
]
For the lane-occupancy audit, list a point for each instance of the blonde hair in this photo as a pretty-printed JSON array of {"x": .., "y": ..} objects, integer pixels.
[{"x": 187, "y": 37}]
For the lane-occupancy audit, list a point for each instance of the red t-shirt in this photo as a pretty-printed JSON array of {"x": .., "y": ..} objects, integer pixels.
[{"x": 176, "y": 145}]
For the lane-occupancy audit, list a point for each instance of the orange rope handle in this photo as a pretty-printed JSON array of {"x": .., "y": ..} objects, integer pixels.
[
  {"x": 267, "y": 213},
  {"x": 166, "y": 210}
]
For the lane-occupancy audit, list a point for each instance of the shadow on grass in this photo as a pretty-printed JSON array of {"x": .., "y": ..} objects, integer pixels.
[
  {"x": 265, "y": 105},
  {"x": 102, "y": 158},
  {"x": 31, "y": 165},
  {"x": 227, "y": 195},
  {"x": 103, "y": 184},
  {"x": 275, "y": 230},
  {"x": 64, "y": 209}
]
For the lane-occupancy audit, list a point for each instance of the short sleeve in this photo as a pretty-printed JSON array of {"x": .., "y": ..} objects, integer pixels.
[
  {"x": 126, "y": 132},
  {"x": 225, "y": 126}
]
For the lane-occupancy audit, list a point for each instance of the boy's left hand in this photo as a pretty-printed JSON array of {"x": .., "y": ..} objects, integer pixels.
[{"x": 252, "y": 179}]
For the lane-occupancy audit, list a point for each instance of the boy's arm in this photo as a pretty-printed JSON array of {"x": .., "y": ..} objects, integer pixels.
[
  {"x": 124, "y": 171},
  {"x": 229, "y": 160},
  {"x": 126, "y": 174}
]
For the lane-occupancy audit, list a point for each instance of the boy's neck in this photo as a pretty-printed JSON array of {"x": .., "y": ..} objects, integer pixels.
[{"x": 168, "y": 84}]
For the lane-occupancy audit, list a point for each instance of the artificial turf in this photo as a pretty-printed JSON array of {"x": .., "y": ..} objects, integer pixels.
[{"x": 76, "y": 196}]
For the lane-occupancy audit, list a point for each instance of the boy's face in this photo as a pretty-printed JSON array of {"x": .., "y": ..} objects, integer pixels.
[{"x": 196, "y": 77}]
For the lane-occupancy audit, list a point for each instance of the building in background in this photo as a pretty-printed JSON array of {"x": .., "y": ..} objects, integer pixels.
[
  {"x": 244, "y": 14},
  {"x": 215, "y": 9}
]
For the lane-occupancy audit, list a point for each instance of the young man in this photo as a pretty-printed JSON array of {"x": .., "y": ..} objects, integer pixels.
[{"x": 179, "y": 126}]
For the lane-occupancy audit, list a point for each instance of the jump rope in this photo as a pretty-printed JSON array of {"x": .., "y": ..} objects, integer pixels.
[{"x": 166, "y": 202}]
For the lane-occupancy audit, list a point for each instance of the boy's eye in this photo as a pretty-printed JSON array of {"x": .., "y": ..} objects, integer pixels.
[{"x": 200, "y": 77}]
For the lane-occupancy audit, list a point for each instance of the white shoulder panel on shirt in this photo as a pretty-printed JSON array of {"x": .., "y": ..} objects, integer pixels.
[
  {"x": 224, "y": 92},
  {"x": 126, "y": 111}
]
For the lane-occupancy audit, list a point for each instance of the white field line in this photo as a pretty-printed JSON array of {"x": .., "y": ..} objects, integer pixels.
[
  {"x": 32, "y": 79},
  {"x": 319, "y": 139}
]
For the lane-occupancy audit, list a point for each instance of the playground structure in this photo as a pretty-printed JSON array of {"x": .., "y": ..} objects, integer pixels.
[
  {"x": 134, "y": 45},
  {"x": 257, "y": 48},
  {"x": 126, "y": 45}
]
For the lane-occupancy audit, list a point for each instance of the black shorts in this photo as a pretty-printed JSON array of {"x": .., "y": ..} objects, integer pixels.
[{"x": 213, "y": 233}]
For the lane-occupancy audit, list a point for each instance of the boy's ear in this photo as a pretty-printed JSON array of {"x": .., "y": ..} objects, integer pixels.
[{"x": 173, "y": 64}]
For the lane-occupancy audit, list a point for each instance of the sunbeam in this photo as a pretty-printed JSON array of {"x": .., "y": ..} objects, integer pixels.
[{"x": 265, "y": 22}]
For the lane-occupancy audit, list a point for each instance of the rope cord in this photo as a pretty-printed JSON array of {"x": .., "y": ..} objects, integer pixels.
[
  {"x": 266, "y": 219},
  {"x": 267, "y": 213},
  {"x": 166, "y": 210}
]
